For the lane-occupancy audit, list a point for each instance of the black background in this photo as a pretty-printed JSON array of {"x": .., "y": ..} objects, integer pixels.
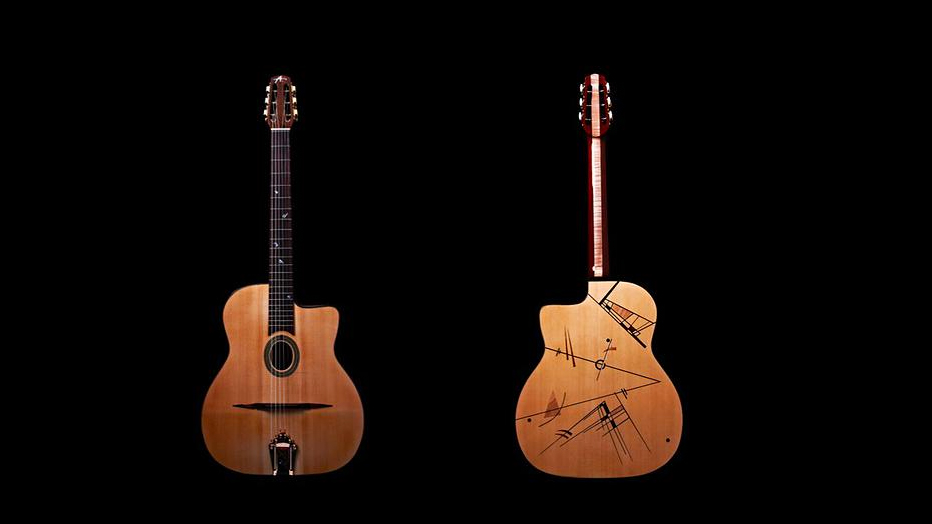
[
  {"x": 760, "y": 188},
  {"x": 439, "y": 205}
]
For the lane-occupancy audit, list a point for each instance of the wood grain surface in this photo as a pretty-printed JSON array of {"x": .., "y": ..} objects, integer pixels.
[
  {"x": 238, "y": 438},
  {"x": 599, "y": 404}
]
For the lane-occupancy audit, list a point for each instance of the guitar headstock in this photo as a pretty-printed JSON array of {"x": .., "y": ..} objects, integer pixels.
[
  {"x": 595, "y": 105},
  {"x": 281, "y": 105}
]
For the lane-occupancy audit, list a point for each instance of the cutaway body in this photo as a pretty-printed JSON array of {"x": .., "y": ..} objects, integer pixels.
[
  {"x": 599, "y": 404},
  {"x": 316, "y": 405}
]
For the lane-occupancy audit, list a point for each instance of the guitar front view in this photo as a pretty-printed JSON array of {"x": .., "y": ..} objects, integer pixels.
[{"x": 281, "y": 404}]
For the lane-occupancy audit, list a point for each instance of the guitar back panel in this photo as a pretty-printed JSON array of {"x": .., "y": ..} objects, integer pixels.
[{"x": 599, "y": 404}]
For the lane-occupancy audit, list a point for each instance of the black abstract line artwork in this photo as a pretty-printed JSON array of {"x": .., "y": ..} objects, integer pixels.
[
  {"x": 609, "y": 421},
  {"x": 600, "y": 365},
  {"x": 624, "y": 391},
  {"x": 633, "y": 323},
  {"x": 568, "y": 342}
]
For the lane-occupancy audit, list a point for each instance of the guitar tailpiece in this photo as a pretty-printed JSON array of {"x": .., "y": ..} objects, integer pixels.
[{"x": 283, "y": 451}]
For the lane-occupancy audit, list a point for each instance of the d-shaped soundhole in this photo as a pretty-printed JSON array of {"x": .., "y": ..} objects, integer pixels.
[{"x": 281, "y": 356}]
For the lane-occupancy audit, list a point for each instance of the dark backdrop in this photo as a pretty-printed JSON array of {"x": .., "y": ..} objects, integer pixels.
[{"x": 439, "y": 206}]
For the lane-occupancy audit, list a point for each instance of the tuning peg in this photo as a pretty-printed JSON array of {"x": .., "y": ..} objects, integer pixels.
[
  {"x": 265, "y": 112},
  {"x": 609, "y": 116},
  {"x": 294, "y": 88},
  {"x": 581, "y": 87},
  {"x": 609, "y": 102},
  {"x": 580, "y": 116},
  {"x": 608, "y": 87},
  {"x": 294, "y": 99},
  {"x": 580, "y": 101},
  {"x": 296, "y": 113},
  {"x": 267, "y": 89}
]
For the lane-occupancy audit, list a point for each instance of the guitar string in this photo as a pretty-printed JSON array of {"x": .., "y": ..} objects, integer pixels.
[
  {"x": 279, "y": 309},
  {"x": 285, "y": 192},
  {"x": 273, "y": 312},
  {"x": 283, "y": 155},
  {"x": 279, "y": 173},
  {"x": 275, "y": 309},
  {"x": 271, "y": 283},
  {"x": 280, "y": 306}
]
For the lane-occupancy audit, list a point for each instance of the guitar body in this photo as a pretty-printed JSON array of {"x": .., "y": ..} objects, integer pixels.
[
  {"x": 599, "y": 404},
  {"x": 237, "y": 437}
]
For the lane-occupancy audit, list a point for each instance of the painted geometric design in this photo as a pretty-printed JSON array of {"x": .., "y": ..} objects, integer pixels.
[
  {"x": 553, "y": 408},
  {"x": 609, "y": 422},
  {"x": 632, "y": 322}
]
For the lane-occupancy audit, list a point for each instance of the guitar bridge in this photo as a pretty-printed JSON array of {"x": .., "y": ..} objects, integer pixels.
[{"x": 283, "y": 452}]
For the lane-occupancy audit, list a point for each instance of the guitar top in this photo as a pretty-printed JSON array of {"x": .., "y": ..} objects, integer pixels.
[{"x": 281, "y": 404}]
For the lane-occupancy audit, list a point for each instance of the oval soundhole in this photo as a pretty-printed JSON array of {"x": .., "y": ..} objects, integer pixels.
[{"x": 281, "y": 356}]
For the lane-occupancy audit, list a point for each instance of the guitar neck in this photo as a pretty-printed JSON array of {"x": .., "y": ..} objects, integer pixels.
[
  {"x": 598, "y": 219},
  {"x": 281, "y": 296}
]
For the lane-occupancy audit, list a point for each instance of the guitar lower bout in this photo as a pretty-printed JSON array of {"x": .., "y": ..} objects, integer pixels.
[
  {"x": 599, "y": 404},
  {"x": 281, "y": 397}
]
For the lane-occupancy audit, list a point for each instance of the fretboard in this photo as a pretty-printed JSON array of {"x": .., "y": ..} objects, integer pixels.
[
  {"x": 281, "y": 286},
  {"x": 598, "y": 230}
]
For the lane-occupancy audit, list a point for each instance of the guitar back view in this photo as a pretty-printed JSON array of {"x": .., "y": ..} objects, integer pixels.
[{"x": 599, "y": 404}]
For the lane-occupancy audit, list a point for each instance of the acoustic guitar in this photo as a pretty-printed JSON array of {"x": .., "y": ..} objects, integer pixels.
[
  {"x": 281, "y": 404},
  {"x": 598, "y": 404}
]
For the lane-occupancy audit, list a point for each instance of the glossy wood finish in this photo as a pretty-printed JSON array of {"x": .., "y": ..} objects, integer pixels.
[
  {"x": 281, "y": 103},
  {"x": 238, "y": 438},
  {"x": 595, "y": 117},
  {"x": 642, "y": 401}
]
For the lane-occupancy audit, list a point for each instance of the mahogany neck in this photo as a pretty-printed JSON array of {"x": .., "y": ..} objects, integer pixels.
[
  {"x": 598, "y": 219},
  {"x": 281, "y": 297}
]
